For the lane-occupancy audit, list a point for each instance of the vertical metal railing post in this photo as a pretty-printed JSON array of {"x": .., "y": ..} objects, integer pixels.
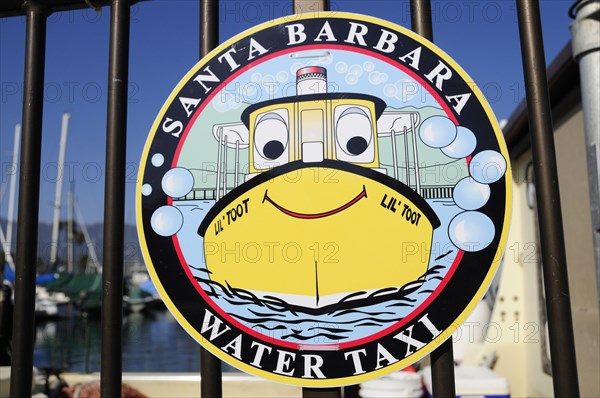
[
  {"x": 442, "y": 371},
  {"x": 114, "y": 201},
  {"x": 314, "y": 6},
  {"x": 442, "y": 359},
  {"x": 306, "y": 6},
  {"x": 29, "y": 199},
  {"x": 211, "y": 384},
  {"x": 554, "y": 262},
  {"x": 209, "y": 26},
  {"x": 420, "y": 18},
  {"x": 332, "y": 392}
]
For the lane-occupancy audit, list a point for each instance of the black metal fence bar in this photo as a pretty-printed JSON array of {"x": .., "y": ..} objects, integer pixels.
[
  {"x": 305, "y": 6},
  {"x": 420, "y": 18},
  {"x": 211, "y": 383},
  {"x": 442, "y": 359},
  {"x": 554, "y": 262},
  {"x": 29, "y": 199},
  {"x": 333, "y": 392},
  {"x": 114, "y": 201},
  {"x": 442, "y": 371},
  {"x": 209, "y": 26}
]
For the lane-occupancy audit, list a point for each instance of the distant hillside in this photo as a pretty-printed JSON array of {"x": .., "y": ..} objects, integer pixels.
[{"x": 132, "y": 253}]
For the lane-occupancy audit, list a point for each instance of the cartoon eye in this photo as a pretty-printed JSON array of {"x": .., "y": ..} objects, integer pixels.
[
  {"x": 354, "y": 135},
  {"x": 270, "y": 140}
]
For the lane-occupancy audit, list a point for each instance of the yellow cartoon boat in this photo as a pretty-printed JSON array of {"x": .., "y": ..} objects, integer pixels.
[{"x": 317, "y": 225}]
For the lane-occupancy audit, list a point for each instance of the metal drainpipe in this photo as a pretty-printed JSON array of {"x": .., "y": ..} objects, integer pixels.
[{"x": 586, "y": 51}]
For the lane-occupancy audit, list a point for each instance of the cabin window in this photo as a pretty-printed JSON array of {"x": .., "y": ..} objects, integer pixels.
[
  {"x": 354, "y": 134},
  {"x": 271, "y": 139}
]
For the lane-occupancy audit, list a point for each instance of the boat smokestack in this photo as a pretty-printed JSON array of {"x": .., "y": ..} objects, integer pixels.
[{"x": 311, "y": 80}]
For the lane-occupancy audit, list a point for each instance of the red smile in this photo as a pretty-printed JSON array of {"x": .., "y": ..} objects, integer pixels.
[{"x": 362, "y": 194}]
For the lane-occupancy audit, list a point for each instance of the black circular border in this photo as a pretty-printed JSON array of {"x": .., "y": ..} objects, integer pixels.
[{"x": 443, "y": 311}]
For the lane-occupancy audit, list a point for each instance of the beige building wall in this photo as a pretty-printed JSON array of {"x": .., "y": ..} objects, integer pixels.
[
  {"x": 573, "y": 183},
  {"x": 518, "y": 349},
  {"x": 517, "y": 353},
  {"x": 524, "y": 257}
]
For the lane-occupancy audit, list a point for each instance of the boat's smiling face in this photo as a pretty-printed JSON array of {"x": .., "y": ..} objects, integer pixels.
[
  {"x": 276, "y": 231},
  {"x": 316, "y": 210}
]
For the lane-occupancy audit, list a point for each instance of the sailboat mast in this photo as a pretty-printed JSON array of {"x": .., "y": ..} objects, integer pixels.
[
  {"x": 93, "y": 257},
  {"x": 70, "y": 235},
  {"x": 13, "y": 184},
  {"x": 58, "y": 193},
  {"x": 6, "y": 248}
]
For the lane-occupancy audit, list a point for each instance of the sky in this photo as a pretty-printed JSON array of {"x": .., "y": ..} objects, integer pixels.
[{"x": 482, "y": 36}]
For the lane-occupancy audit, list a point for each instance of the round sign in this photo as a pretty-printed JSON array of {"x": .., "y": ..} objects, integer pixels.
[{"x": 323, "y": 199}]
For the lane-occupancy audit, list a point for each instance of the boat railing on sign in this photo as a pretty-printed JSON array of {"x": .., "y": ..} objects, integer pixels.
[
  {"x": 392, "y": 124},
  {"x": 230, "y": 135}
]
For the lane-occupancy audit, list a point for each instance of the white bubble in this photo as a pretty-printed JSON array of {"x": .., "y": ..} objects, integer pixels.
[
  {"x": 157, "y": 160},
  {"x": 463, "y": 145},
  {"x": 437, "y": 131},
  {"x": 271, "y": 85},
  {"x": 355, "y": 69},
  {"x": 177, "y": 182},
  {"x": 220, "y": 103},
  {"x": 377, "y": 78},
  {"x": 325, "y": 60},
  {"x": 471, "y": 231},
  {"x": 166, "y": 220},
  {"x": 255, "y": 78},
  {"x": 369, "y": 66},
  {"x": 269, "y": 79},
  {"x": 487, "y": 167},
  {"x": 351, "y": 79},
  {"x": 233, "y": 102},
  {"x": 250, "y": 91},
  {"x": 470, "y": 194},
  {"x": 281, "y": 76},
  {"x": 374, "y": 78},
  {"x": 146, "y": 189},
  {"x": 294, "y": 68},
  {"x": 390, "y": 90},
  {"x": 341, "y": 67}
]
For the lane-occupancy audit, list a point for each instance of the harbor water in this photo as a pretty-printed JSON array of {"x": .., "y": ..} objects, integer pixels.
[{"x": 152, "y": 342}]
